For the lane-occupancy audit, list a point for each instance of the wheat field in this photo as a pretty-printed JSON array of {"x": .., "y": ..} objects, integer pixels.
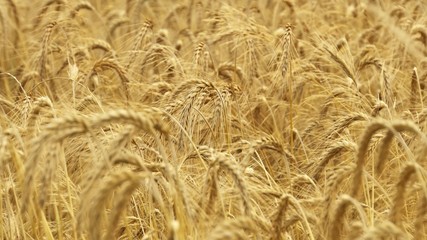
[{"x": 275, "y": 119}]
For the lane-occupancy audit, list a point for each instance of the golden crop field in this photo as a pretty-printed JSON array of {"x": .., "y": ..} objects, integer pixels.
[{"x": 213, "y": 119}]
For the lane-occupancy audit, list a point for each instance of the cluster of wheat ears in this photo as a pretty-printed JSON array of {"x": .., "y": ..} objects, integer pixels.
[{"x": 278, "y": 119}]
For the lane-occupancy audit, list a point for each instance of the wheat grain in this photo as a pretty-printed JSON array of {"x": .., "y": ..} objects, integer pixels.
[
  {"x": 420, "y": 219},
  {"x": 93, "y": 44},
  {"x": 343, "y": 202},
  {"x": 15, "y": 13},
  {"x": 383, "y": 230},
  {"x": 422, "y": 31},
  {"x": 232, "y": 229},
  {"x": 43, "y": 59},
  {"x": 6, "y": 105},
  {"x": 116, "y": 23},
  {"x": 363, "y": 148},
  {"x": 416, "y": 94},
  {"x": 283, "y": 206},
  {"x": 116, "y": 180},
  {"x": 399, "y": 198},
  {"x": 224, "y": 161},
  {"x": 211, "y": 190},
  {"x": 111, "y": 64},
  {"x": 43, "y": 11},
  {"x": 329, "y": 153},
  {"x": 81, "y": 6},
  {"x": 224, "y": 67},
  {"x": 212, "y": 120},
  {"x": 147, "y": 26},
  {"x": 397, "y": 127}
]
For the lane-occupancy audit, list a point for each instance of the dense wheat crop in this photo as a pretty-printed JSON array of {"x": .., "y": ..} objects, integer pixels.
[{"x": 275, "y": 119}]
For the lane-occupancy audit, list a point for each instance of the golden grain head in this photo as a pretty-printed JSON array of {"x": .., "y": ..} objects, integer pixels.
[{"x": 213, "y": 120}]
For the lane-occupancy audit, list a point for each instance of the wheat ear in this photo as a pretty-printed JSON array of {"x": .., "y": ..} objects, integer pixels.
[
  {"x": 227, "y": 162},
  {"x": 399, "y": 199},
  {"x": 43, "y": 59},
  {"x": 147, "y": 26},
  {"x": 233, "y": 229},
  {"x": 343, "y": 202}
]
